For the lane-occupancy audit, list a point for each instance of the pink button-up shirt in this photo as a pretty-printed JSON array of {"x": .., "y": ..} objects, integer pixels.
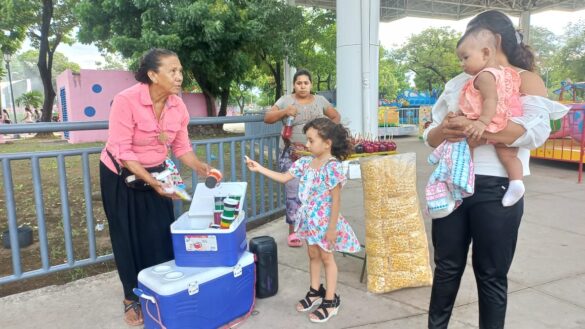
[{"x": 134, "y": 131}]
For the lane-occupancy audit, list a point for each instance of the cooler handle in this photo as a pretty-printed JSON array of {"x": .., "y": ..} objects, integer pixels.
[
  {"x": 244, "y": 245},
  {"x": 141, "y": 294}
]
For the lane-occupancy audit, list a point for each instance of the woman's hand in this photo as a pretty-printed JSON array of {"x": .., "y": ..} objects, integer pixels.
[
  {"x": 164, "y": 190},
  {"x": 291, "y": 111},
  {"x": 453, "y": 127},
  {"x": 203, "y": 169},
  {"x": 331, "y": 237},
  {"x": 252, "y": 165}
]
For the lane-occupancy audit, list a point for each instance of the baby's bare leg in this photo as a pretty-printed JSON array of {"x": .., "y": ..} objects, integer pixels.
[{"x": 509, "y": 158}]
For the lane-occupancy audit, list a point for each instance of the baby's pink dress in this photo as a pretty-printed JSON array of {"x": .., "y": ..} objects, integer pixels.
[{"x": 508, "y": 89}]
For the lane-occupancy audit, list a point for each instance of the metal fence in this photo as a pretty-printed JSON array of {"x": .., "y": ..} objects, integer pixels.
[{"x": 72, "y": 234}]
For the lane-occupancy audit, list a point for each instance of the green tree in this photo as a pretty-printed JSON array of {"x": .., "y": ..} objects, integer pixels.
[
  {"x": 545, "y": 45},
  {"x": 277, "y": 30},
  {"x": 25, "y": 65},
  {"x": 15, "y": 20},
  {"x": 208, "y": 35},
  {"x": 112, "y": 62},
  {"x": 570, "y": 58},
  {"x": 431, "y": 56},
  {"x": 31, "y": 99},
  {"x": 242, "y": 89},
  {"x": 51, "y": 24},
  {"x": 13, "y": 27},
  {"x": 391, "y": 75},
  {"x": 317, "y": 51}
]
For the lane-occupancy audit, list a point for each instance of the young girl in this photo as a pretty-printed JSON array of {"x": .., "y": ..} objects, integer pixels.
[
  {"x": 490, "y": 98},
  {"x": 320, "y": 222}
]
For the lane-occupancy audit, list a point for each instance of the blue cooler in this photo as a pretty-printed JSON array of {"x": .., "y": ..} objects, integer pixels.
[
  {"x": 196, "y": 297},
  {"x": 196, "y": 244}
]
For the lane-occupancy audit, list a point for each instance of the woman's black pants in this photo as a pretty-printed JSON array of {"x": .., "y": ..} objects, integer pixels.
[
  {"x": 139, "y": 224},
  {"x": 493, "y": 230}
]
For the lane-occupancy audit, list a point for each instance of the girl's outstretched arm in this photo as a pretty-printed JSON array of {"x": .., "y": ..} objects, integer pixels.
[{"x": 276, "y": 176}]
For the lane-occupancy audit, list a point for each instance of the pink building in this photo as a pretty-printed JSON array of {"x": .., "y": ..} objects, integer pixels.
[{"x": 87, "y": 96}]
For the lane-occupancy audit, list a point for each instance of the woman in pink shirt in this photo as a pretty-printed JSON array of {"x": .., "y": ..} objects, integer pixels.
[{"x": 145, "y": 120}]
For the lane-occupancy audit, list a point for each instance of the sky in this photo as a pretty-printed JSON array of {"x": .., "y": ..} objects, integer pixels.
[{"x": 391, "y": 34}]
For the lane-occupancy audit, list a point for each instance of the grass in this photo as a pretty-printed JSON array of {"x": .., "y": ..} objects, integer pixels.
[{"x": 53, "y": 208}]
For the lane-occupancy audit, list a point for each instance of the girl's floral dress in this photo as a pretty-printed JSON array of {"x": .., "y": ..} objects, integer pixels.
[{"x": 316, "y": 202}]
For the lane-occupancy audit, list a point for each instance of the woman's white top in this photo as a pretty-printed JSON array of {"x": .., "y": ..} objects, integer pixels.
[{"x": 538, "y": 111}]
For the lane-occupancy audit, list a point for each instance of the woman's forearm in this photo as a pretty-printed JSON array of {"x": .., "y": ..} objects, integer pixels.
[
  {"x": 508, "y": 135},
  {"x": 138, "y": 170},
  {"x": 190, "y": 160},
  {"x": 332, "y": 114},
  {"x": 274, "y": 115},
  {"x": 435, "y": 137}
]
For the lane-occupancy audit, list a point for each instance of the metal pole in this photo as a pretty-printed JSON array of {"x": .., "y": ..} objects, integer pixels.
[{"x": 11, "y": 93}]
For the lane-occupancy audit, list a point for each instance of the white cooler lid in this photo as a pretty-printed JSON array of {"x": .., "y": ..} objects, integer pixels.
[
  {"x": 168, "y": 279},
  {"x": 187, "y": 224},
  {"x": 203, "y": 202}
]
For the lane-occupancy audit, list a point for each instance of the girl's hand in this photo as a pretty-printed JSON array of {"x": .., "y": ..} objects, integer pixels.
[
  {"x": 331, "y": 237},
  {"x": 252, "y": 165},
  {"x": 475, "y": 130}
]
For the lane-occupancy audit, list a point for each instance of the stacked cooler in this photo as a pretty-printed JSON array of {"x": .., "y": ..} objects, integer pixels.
[{"x": 211, "y": 281}]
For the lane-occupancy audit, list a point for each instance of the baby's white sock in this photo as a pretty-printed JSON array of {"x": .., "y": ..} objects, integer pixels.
[{"x": 514, "y": 194}]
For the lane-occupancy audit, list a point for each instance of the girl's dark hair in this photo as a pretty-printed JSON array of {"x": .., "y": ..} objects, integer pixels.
[
  {"x": 150, "y": 61},
  {"x": 336, "y": 132},
  {"x": 518, "y": 53}
]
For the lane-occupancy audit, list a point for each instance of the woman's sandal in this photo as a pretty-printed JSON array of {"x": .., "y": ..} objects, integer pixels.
[
  {"x": 307, "y": 303},
  {"x": 322, "y": 314},
  {"x": 294, "y": 241},
  {"x": 135, "y": 307}
]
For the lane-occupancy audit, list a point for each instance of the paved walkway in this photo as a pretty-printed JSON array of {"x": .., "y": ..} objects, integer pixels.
[{"x": 547, "y": 279}]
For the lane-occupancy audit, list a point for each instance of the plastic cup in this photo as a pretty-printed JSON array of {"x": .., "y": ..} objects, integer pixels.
[
  {"x": 218, "y": 206},
  {"x": 217, "y": 217},
  {"x": 213, "y": 178},
  {"x": 226, "y": 222},
  {"x": 229, "y": 213},
  {"x": 237, "y": 198}
]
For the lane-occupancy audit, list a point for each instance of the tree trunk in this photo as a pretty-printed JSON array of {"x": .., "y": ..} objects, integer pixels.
[
  {"x": 45, "y": 62},
  {"x": 329, "y": 81},
  {"x": 278, "y": 79},
  {"x": 225, "y": 95},
  {"x": 209, "y": 103}
]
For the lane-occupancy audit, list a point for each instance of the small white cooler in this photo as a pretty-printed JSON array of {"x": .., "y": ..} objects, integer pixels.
[
  {"x": 196, "y": 297},
  {"x": 195, "y": 244}
]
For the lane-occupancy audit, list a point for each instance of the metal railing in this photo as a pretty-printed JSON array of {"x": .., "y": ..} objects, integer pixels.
[{"x": 67, "y": 236}]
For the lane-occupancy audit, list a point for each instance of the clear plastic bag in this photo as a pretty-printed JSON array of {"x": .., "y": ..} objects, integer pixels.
[{"x": 396, "y": 241}]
